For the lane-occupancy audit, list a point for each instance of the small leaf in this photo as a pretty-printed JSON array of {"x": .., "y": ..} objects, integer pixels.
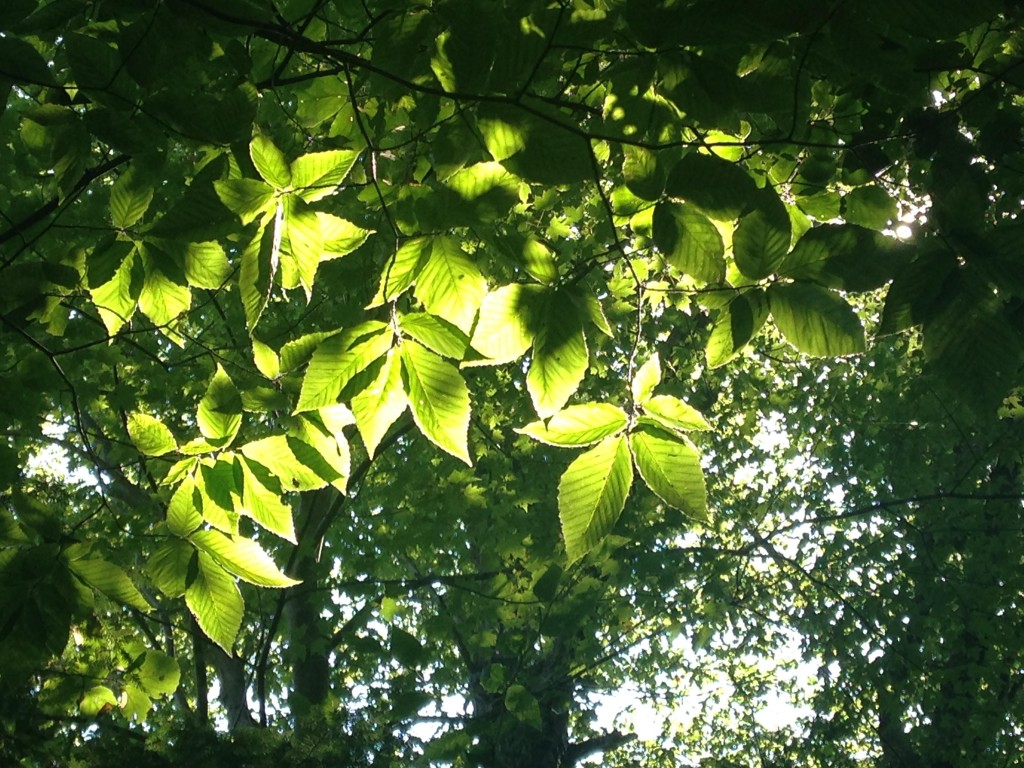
[
  {"x": 150, "y": 435},
  {"x": 670, "y": 465},
  {"x": 578, "y": 425},
  {"x": 206, "y": 265},
  {"x": 402, "y": 269},
  {"x": 646, "y": 379},
  {"x": 438, "y": 398},
  {"x": 270, "y": 162},
  {"x": 158, "y": 674},
  {"x": 592, "y": 493},
  {"x": 815, "y": 320},
  {"x": 378, "y": 406},
  {"x": 277, "y": 454},
  {"x": 523, "y": 706},
  {"x": 260, "y": 261},
  {"x": 674, "y": 413},
  {"x": 96, "y": 701},
  {"x": 762, "y": 237},
  {"x": 242, "y": 557},
  {"x": 214, "y": 600},
  {"x": 220, "y": 410}
]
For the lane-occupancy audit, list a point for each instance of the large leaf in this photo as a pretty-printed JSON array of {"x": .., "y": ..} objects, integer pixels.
[
  {"x": 673, "y": 413},
  {"x": 242, "y": 557},
  {"x": 815, "y": 320},
  {"x": 378, "y": 406},
  {"x": 316, "y": 175},
  {"x": 578, "y": 425},
  {"x": 670, "y": 465},
  {"x": 130, "y": 197},
  {"x": 737, "y": 323},
  {"x": 150, "y": 435},
  {"x": 762, "y": 237},
  {"x": 335, "y": 362},
  {"x": 592, "y": 493},
  {"x": 170, "y": 565},
  {"x": 402, "y": 269},
  {"x": 111, "y": 580},
  {"x": 438, "y": 398},
  {"x": 721, "y": 188},
  {"x": 559, "y": 359},
  {"x": 248, "y": 198},
  {"x": 261, "y": 500},
  {"x": 450, "y": 284},
  {"x": 214, "y": 600},
  {"x": 280, "y": 455},
  {"x": 508, "y": 322},
  {"x": 647, "y": 377},
  {"x": 183, "y": 513},
  {"x": 690, "y": 242},
  {"x": 220, "y": 410},
  {"x": 260, "y": 261},
  {"x": 270, "y": 162}
]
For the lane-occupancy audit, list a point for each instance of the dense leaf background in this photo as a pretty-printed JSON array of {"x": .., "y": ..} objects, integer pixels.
[{"x": 390, "y": 383}]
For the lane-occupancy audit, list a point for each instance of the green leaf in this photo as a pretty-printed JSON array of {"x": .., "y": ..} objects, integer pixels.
[
  {"x": 305, "y": 246},
  {"x": 578, "y": 425},
  {"x": 673, "y": 413},
  {"x": 248, "y": 198},
  {"x": 721, "y": 189},
  {"x": 22, "y": 63},
  {"x": 96, "y": 701},
  {"x": 523, "y": 706},
  {"x": 129, "y": 199},
  {"x": 815, "y": 320},
  {"x": 270, "y": 162},
  {"x": 183, "y": 515},
  {"x": 206, "y": 265},
  {"x": 592, "y": 493},
  {"x": 260, "y": 261},
  {"x": 642, "y": 173},
  {"x": 450, "y": 284},
  {"x": 870, "y": 207},
  {"x": 318, "y": 174},
  {"x": 438, "y": 398},
  {"x": 111, "y": 580},
  {"x": 670, "y": 465},
  {"x": 241, "y": 557},
  {"x": 539, "y": 261},
  {"x": 435, "y": 334},
  {"x": 762, "y": 237},
  {"x": 646, "y": 379},
  {"x": 330, "y": 456},
  {"x": 402, "y": 269},
  {"x": 378, "y": 406},
  {"x": 218, "y": 490},
  {"x": 150, "y": 435},
  {"x": 844, "y": 256},
  {"x": 340, "y": 237},
  {"x": 737, "y": 323},
  {"x": 559, "y": 359},
  {"x": 278, "y": 455},
  {"x": 220, "y": 410},
  {"x": 334, "y": 364},
  {"x": 266, "y": 359},
  {"x": 508, "y": 322},
  {"x": 263, "y": 503},
  {"x": 690, "y": 242},
  {"x": 214, "y": 600},
  {"x": 158, "y": 674},
  {"x": 169, "y": 566},
  {"x": 162, "y": 299},
  {"x": 117, "y": 297}
]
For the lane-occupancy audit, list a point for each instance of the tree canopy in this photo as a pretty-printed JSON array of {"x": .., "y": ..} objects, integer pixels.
[{"x": 392, "y": 383}]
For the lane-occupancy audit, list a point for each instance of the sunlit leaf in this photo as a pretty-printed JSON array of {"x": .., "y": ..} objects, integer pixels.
[
  {"x": 670, "y": 466},
  {"x": 242, "y": 557},
  {"x": 815, "y": 320},
  {"x": 150, "y": 435},
  {"x": 438, "y": 398},
  {"x": 214, "y": 600},
  {"x": 578, "y": 425}
]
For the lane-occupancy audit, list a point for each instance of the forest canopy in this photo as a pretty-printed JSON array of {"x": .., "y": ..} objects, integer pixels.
[{"x": 511, "y": 383}]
